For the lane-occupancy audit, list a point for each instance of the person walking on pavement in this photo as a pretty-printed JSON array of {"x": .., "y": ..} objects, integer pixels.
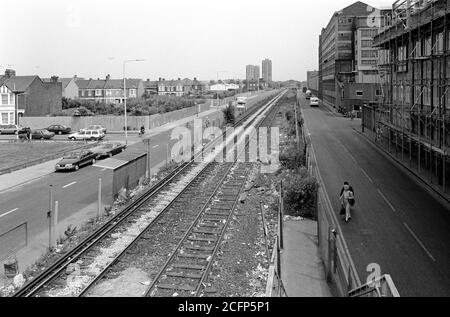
[
  {"x": 28, "y": 134},
  {"x": 347, "y": 198}
]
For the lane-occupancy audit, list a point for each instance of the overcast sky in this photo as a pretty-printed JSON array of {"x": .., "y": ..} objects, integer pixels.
[{"x": 178, "y": 38}]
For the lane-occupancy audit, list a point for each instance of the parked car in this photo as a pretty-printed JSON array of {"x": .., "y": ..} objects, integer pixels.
[
  {"x": 109, "y": 149},
  {"x": 39, "y": 134},
  {"x": 9, "y": 128},
  {"x": 59, "y": 129},
  {"x": 75, "y": 160},
  {"x": 97, "y": 127},
  {"x": 87, "y": 135},
  {"x": 314, "y": 102}
]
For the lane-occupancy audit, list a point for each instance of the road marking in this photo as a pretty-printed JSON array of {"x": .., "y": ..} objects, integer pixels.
[
  {"x": 386, "y": 200},
  {"x": 68, "y": 185},
  {"x": 155, "y": 146},
  {"x": 367, "y": 175},
  {"x": 419, "y": 242},
  {"x": 8, "y": 212}
]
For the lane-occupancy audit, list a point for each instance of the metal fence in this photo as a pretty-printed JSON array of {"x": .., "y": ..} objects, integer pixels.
[
  {"x": 275, "y": 287},
  {"x": 13, "y": 241}
]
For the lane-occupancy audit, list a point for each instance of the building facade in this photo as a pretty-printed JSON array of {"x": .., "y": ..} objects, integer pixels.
[
  {"x": 109, "y": 90},
  {"x": 414, "y": 115},
  {"x": 312, "y": 81},
  {"x": 69, "y": 86},
  {"x": 267, "y": 70},
  {"x": 346, "y": 57},
  {"x": 34, "y": 97},
  {"x": 252, "y": 73}
]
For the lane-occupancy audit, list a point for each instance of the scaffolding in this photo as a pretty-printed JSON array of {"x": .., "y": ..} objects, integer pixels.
[{"x": 414, "y": 77}]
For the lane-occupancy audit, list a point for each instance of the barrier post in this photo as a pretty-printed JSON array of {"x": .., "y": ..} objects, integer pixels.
[
  {"x": 280, "y": 215},
  {"x": 49, "y": 216},
  {"x": 99, "y": 201},
  {"x": 55, "y": 223}
]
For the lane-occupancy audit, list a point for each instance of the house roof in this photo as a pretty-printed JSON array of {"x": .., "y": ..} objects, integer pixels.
[
  {"x": 18, "y": 83},
  {"x": 65, "y": 81},
  {"x": 107, "y": 83},
  {"x": 358, "y": 8},
  {"x": 118, "y": 83},
  {"x": 150, "y": 84}
]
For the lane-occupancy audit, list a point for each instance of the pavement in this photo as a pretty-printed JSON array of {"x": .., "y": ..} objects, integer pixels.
[
  {"x": 396, "y": 223},
  {"x": 302, "y": 270},
  {"x": 24, "y": 194}
]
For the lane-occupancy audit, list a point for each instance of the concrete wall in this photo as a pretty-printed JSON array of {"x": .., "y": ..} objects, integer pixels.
[{"x": 114, "y": 123}]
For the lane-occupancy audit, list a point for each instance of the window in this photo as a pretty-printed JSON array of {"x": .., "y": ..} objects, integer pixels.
[
  {"x": 89, "y": 93},
  {"x": 359, "y": 93},
  {"x": 108, "y": 92},
  {"x": 5, "y": 99},
  {"x": 98, "y": 92},
  {"x": 11, "y": 117},
  {"x": 4, "y": 118},
  {"x": 369, "y": 62},
  {"x": 378, "y": 92},
  {"x": 369, "y": 32},
  {"x": 369, "y": 54},
  {"x": 366, "y": 43},
  {"x": 132, "y": 92}
]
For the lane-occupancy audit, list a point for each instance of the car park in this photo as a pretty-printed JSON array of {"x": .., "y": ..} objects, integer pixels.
[
  {"x": 39, "y": 134},
  {"x": 9, "y": 128},
  {"x": 75, "y": 160},
  {"x": 59, "y": 129},
  {"x": 109, "y": 149},
  {"x": 87, "y": 135}
]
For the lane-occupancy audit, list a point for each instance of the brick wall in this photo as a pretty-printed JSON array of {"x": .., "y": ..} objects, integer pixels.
[{"x": 41, "y": 99}]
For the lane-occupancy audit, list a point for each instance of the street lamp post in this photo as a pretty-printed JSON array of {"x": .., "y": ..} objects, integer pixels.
[{"x": 125, "y": 95}]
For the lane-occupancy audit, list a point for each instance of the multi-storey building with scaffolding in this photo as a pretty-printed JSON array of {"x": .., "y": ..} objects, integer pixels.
[
  {"x": 347, "y": 60},
  {"x": 413, "y": 120}
]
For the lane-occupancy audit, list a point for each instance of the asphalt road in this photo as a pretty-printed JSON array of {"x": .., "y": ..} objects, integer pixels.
[
  {"x": 73, "y": 190},
  {"x": 396, "y": 223}
]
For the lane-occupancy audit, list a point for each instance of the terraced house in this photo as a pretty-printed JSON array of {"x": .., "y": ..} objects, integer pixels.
[
  {"x": 33, "y": 96},
  {"x": 109, "y": 90},
  {"x": 180, "y": 87}
]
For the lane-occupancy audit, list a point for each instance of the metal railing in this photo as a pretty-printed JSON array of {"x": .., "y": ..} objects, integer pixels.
[{"x": 381, "y": 287}]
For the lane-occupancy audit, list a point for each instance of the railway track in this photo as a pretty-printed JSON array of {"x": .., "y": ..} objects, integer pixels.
[
  {"x": 83, "y": 267},
  {"x": 188, "y": 266}
]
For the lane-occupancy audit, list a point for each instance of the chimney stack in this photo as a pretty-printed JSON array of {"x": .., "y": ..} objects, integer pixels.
[
  {"x": 10, "y": 73},
  {"x": 54, "y": 79}
]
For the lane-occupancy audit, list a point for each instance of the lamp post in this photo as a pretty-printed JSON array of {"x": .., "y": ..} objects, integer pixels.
[
  {"x": 125, "y": 94},
  {"x": 16, "y": 108}
]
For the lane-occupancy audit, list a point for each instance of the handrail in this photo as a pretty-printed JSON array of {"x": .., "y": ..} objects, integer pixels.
[{"x": 380, "y": 287}]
